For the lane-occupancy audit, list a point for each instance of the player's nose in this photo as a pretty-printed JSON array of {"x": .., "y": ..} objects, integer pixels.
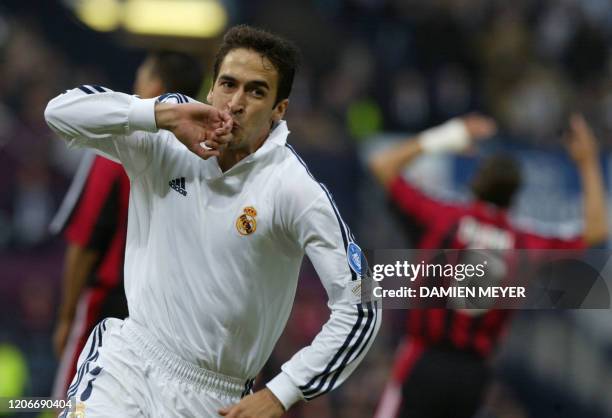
[{"x": 236, "y": 103}]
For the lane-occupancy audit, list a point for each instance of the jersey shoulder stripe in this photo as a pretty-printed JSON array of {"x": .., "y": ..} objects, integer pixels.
[
  {"x": 93, "y": 89},
  {"x": 173, "y": 97}
]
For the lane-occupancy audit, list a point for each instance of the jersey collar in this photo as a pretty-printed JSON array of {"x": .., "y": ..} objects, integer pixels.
[{"x": 278, "y": 134}]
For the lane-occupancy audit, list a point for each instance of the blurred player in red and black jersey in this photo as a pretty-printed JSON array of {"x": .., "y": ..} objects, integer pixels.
[
  {"x": 93, "y": 220},
  {"x": 441, "y": 369}
]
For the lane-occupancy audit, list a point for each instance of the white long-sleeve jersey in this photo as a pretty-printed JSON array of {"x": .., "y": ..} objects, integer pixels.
[{"x": 212, "y": 258}]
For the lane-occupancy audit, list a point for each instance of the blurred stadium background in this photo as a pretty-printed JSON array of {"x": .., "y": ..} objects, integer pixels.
[{"x": 373, "y": 71}]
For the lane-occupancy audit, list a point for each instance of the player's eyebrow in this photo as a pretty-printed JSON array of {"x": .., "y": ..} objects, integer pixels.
[
  {"x": 225, "y": 77},
  {"x": 252, "y": 83},
  {"x": 258, "y": 83}
]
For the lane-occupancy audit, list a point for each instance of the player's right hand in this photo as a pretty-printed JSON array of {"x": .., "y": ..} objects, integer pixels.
[
  {"x": 60, "y": 336},
  {"x": 203, "y": 129}
]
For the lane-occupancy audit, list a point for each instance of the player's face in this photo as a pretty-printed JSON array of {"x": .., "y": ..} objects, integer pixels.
[
  {"x": 246, "y": 87},
  {"x": 147, "y": 85}
]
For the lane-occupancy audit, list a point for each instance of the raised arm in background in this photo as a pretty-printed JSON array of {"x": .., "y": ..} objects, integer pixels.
[
  {"x": 456, "y": 135},
  {"x": 582, "y": 148}
]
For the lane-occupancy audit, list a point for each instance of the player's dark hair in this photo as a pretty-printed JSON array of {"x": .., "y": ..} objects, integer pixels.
[
  {"x": 282, "y": 53},
  {"x": 179, "y": 72},
  {"x": 497, "y": 180}
]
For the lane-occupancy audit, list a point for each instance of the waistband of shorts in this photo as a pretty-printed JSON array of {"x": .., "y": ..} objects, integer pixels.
[{"x": 184, "y": 370}]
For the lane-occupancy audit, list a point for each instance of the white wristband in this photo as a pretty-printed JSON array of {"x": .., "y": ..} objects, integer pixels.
[
  {"x": 141, "y": 116},
  {"x": 451, "y": 136},
  {"x": 285, "y": 390}
]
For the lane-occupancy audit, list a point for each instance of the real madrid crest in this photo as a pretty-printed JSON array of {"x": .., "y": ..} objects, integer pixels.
[{"x": 246, "y": 223}]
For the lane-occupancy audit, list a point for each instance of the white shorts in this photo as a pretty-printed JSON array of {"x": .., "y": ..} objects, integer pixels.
[{"x": 124, "y": 372}]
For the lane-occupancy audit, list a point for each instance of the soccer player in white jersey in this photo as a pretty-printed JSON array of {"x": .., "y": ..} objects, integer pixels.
[{"x": 222, "y": 211}]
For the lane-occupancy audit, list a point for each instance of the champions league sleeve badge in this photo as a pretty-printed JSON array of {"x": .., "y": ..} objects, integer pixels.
[
  {"x": 360, "y": 290},
  {"x": 355, "y": 258}
]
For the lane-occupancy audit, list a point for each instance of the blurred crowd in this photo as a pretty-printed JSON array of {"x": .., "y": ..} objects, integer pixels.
[
  {"x": 408, "y": 64},
  {"x": 369, "y": 67}
]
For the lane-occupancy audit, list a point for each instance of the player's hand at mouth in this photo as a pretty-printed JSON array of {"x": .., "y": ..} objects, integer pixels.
[
  {"x": 261, "y": 404},
  {"x": 203, "y": 129},
  {"x": 223, "y": 136}
]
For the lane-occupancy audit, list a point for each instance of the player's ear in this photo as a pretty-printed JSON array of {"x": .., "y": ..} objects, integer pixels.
[
  {"x": 279, "y": 110},
  {"x": 209, "y": 95}
]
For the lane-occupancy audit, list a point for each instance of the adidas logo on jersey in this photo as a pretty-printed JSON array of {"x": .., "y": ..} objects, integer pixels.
[{"x": 179, "y": 185}]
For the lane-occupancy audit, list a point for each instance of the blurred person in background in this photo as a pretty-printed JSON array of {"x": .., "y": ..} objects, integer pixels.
[
  {"x": 93, "y": 220},
  {"x": 213, "y": 257},
  {"x": 442, "y": 367}
]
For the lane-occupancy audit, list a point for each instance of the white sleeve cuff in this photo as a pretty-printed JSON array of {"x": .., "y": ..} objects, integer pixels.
[
  {"x": 141, "y": 115},
  {"x": 451, "y": 136},
  {"x": 285, "y": 390}
]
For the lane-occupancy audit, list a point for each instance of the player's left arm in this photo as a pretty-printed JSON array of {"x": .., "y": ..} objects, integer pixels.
[{"x": 314, "y": 223}]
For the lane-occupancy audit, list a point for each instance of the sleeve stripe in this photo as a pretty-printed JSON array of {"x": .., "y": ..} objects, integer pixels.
[
  {"x": 330, "y": 365},
  {"x": 364, "y": 344},
  {"x": 372, "y": 316},
  {"x": 363, "y": 347},
  {"x": 180, "y": 98},
  {"x": 85, "y": 89},
  {"x": 177, "y": 97}
]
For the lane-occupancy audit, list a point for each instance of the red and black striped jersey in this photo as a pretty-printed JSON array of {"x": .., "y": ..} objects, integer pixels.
[
  {"x": 94, "y": 216},
  {"x": 461, "y": 226}
]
